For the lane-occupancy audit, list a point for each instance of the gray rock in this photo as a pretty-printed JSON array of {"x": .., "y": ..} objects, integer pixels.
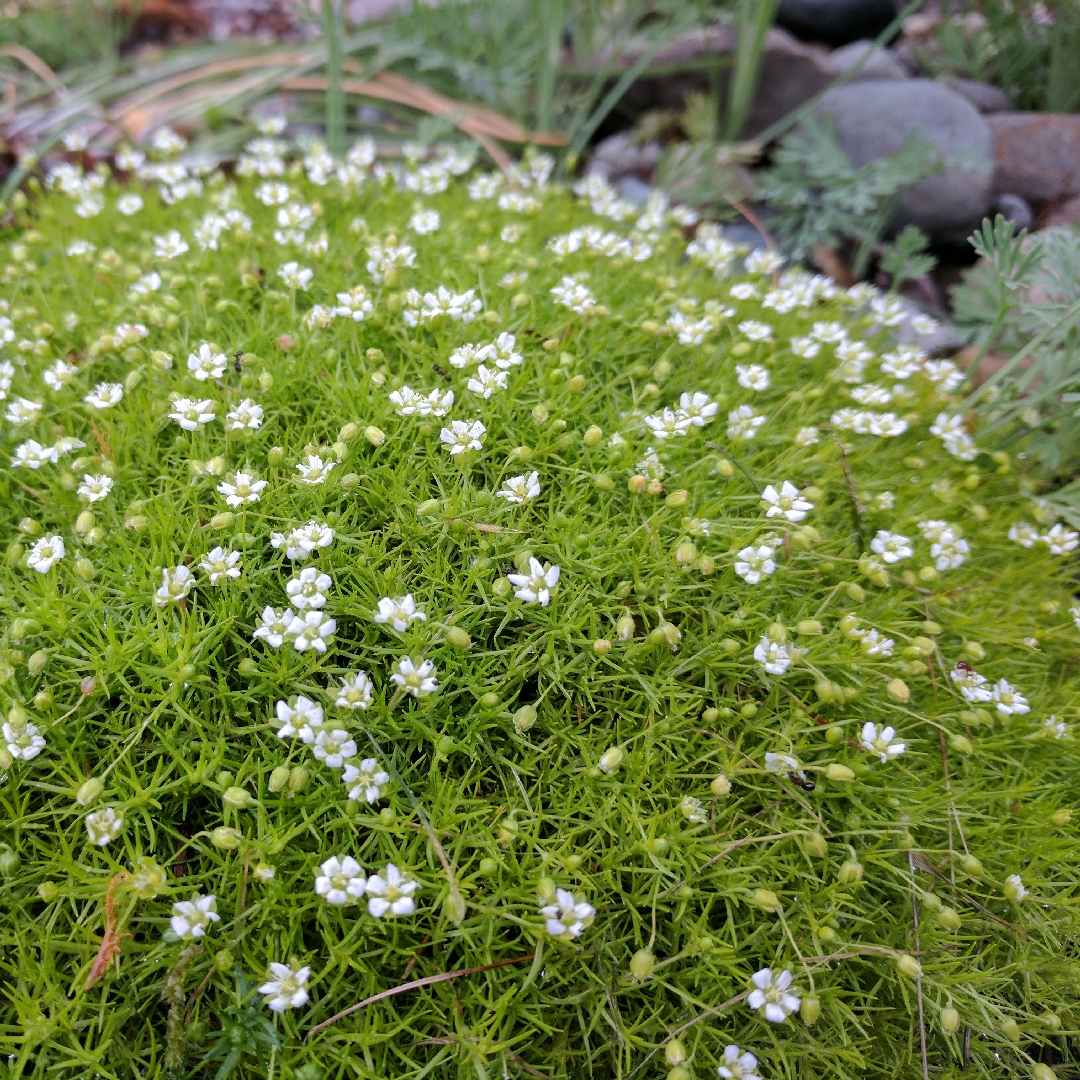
[
  {"x": 1015, "y": 209},
  {"x": 836, "y": 21},
  {"x": 879, "y": 62},
  {"x": 618, "y": 156},
  {"x": 634, "y": 189},
  {"x": 872, "y": 119},
  {"x": 984, "y": 96}
]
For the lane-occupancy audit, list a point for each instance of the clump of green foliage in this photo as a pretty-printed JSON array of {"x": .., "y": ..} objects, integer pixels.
[{"x": 625, "y": 741}]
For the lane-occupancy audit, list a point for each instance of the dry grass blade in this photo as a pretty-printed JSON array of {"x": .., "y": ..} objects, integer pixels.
[{"x": 35, "y": 64}]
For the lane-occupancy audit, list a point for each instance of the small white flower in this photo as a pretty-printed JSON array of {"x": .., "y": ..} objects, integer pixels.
[
  {"x": 206, "y": 364},
  {"x": 518, "y": 489},
  {"x": 192, "y": 918},
  {"x": 354, "y": 304},
  {"x": 334, "y": 748},
  {"x": 807, "y": 436},
  {"x": 340, "y": 880},
  {"x": 354, "y": 692},
  {"x": 773, "y": 656},
  {"x": 176, "y": 583},
  {"x": 32, "y": 455},
  {"x": 23, "y": 741},
  {"x": 773, "y": 995},
  {"x": 1015, "y": 889},
  {"x": 220, "y": 565},
  {"x": 23, "y": 411},
  {"x": 536, "y": 585},
  {"x": 1009, "y": 700},
  {"x": 313, "y": 470},
  {"x": 949, "y": 552},
  {"x": 300, "y": 720},
  {"x": 892, "y": 547},
  {"x": 873, "y": 644},
  {"x": 296, "y": 276},
  {"x": 743, "y": 423},
  {"x": 1024, "y": 534},
  {"x": 170, "y": 246},
  {"x": 882, "y": 741},
  {"x": 485, "y": 382},
  {"x": 754, "y": 563},
  {"x": 308, "y": 589},
  {"x": 95, "y": 488},
  {"x": 698, "y": 407},
  {"x": 302, "y": 541},
  {"x": 756, "y": 331},
  {"x": 399, "y": 612},
  {"x": 129, "y": 204},
  {"x": 245, "y": 416},
  {"x": 416, "y": 679},
  {"x": 1060, "y": 540},
  {"x": 424, "y": 221},
  {"x": 972, "y": 685},
  {"x": 668, "y": 423},
  {"x": 273, "y": 626},
  {"x": 191, "y": 414},
  {"x": 753, "y": 376},
  {"x": 365, "y": 781},
  {"x": 285, "y": 987},
  {"x": 786, "y": 503},
  {"x": 504, "y": 351},
  {"x": 311, "y": 630},
  {"x": 104, "y": 825},
  {"x": 781, "y": 763},
  {"x": 105, "y": 395},
  {"x": 245, "y": 488},
  {"x": 56, "y": 376},
  {"x": 568, "y": 916},
  {"x": 738, "y": 1065},
  {"x": 461, "y": 436},
  {"x": 391, "y": 892},
  {"x": 46, "y": 553}
]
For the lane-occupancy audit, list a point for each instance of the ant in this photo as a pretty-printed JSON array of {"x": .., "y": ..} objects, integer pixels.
[
  {"x": 800, "y": 779},
  {"x": 441, "y": 371},
  {"x": 236, "y": 360}
]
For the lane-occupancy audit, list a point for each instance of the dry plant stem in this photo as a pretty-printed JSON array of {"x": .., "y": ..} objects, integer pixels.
[
  {"x": 918, "y": 978},
  {"x": 38, "y": 66},
  {"x": 416, "y": 984}
]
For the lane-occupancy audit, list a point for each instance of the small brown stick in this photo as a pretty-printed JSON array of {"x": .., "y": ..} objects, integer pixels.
[
  {"x": 102, "y": 444},
  {"x": 856, "y": 506},
  {"x": 110, "y": 941},
  {"x": 416, "y": 984}
]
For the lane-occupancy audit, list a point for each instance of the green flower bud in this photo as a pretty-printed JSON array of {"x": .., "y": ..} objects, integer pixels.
[
  {"x": 603, "y": 482},
  {"x": 974, "y": 651},
  {"x": 298, "y": 778},
  {"x": 815, "y": 845},
  {"x": 601, "y": 646},
  {"x": 856, "y": 592},
  {"x": 223, "y": 520},
  {"x": 950, "y": 1020},
  {"x": 675, "y": 1052},
  {"x": 223, "y": 960},
  {"x": 85, "y": 522},
  {"x": 458, "y": 637},
  {"x": 851, "y": 871},
  {"x": 275, "y": 457},
  {"x": 839, "y": 773},
  {"x": 642, "y": 964},
  {"x": 676, "y": 498},
  {"x": 611, "y": 760},
  {"x": 36, "y": 663},
  {"x": 961, "y": 744},
  {"x": 278, "y": 778},
  {"x": 225, "y": 838},
  {"x": 1061, "y": 817},
  {"x": 1010, "y": 1029},
  {"x": 489, "y": 867},
  {"x": 1039, "y": 1071},
  {"x": 907, "y": 965},
  {"x": 247, "y": 667},
  {"x": 898, "y": 690},
  {"x": 387, "y": 816},
  {"x": 810, "y": 1009},
  {"x": 524, "y": 718},
  {"x": 238, "y": 797},
  {"x": 375, "y": 436},
  {"x": 350, "y": 482},
  {"x": 545, "y": 890},
  {"x": 48, "y": 891},
  {"x": 657, "y": 845},
  {"x": 766, "y": 899},
  {"x": 89, "y": 791},
  {"x": 686, "y": 553},
  {"x": 592, "y": 436},
  {"x": 808, "y": 626},
  {"x": 949, "y": 918},
  {"x": 680, "y": 1072},
  {"x": 9, "y": 862},
  {"x": 720, "y": 785},
  {"x": 490, "y": 700},
  {"x": 349, "y": 433}
]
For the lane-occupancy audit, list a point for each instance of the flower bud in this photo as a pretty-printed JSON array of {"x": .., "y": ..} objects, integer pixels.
[
  {"x": 810, "y": 1009},
  {"x": 849, "y": 626},
  {"x": 458, "y": 637},
  {"x": 16, "y": 716},
  {"x": 48, "y": 891},
  {"x": 1039, "y": 1071},
  {"x": 686, "y": 553},
  {"x": 38, "y": 660},
  {"x": 675, "y": 1052},
  {"x": 856, "y": 592},
  {"x": 247, "y": 667},
  {"x": 375, "y": 436},
  {"x": 839, "y": 773},
  {"x": 907, "y": 965},
  {"x": 350, "y": 482},
  {"x": 9, "y": 862},
  {"x": 238, "y": 797},
  {"x": 298, "y": 778},
  {"x": 636, "y": 484},
  {"x": 1061, "y": 817},
  {"x": 898, "y": 690},
  {"x": 43, "y": 700},
  {"x": 949, "y": 918},
  {"x": 680, "y": 1072},
  {"x": 950, "y": 1020},
  {"x": 808, "y": 626},
  {"x": 225, "y": 838},
  {"x": 89, "y": 791},
  {"x": 278, "y": 778},
  {"x": 545, "y": 890},
  {"x": 137, "y": 523},
  {"x": 974, "y": 651},
  {"x": 720, "y": 785},
  {"x": 349, "y": 433},
  {"x": 223, "y": 960},
  {"x": 222, "y": 520},
  {"x": 676, "y": 498},
  {"x": 815, "y": 845},
  {"x": 1051, "y": 1020},
  {"x": 851, "y": 871},
  {"x": 624, "y": 628},
  {"x": 961, "y": 744},
  {"x": 524, "y": 718},
  {"x": 766, "y": 899},
  {"x": 657, "y": 845},
  {"x": 601, "y": 646},
  {"x": 1010, "y": 1029},
  {"x": 85, "y": 522},
  {"x": 490, "y": 700},
  {"x": 603, "y": 482},
  {"x": 642, "y": 964},
  {"x": 216, "y": 465},
  {"x": 611, "y": 760},
  {"x": 592, "y": 436}
]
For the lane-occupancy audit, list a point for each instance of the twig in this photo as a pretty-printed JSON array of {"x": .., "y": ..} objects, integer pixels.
[
  {"x": 856, "y": 506},
  {"x": 111, "y": 939},
  {"x": 918, "y": 978},
  {"x": 416, "y": 984}
]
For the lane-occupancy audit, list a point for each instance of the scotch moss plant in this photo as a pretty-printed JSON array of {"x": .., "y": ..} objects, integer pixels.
[{"x": 451, "y": 575}]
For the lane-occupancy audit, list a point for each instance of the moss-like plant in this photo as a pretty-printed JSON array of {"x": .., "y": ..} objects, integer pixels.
[{"x": 563, "y": 648}]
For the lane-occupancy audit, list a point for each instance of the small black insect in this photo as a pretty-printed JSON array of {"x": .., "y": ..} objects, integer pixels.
[
  {"x": 800, "y": 779},
  {"x": 236, "y": 360},
  {"x": 441, "y": 371}
]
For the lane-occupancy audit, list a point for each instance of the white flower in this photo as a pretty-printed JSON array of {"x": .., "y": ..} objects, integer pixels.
[
  {"x": 192, "y": 918},
  {"x": 738, "y": 1065},
  {"x": 46, "y": 553},
  {"x": 129, "y": 204},
  {"x": 536, "y": 585},
  {"x": 273, "y": 193},
  {"x": 485, "y": 382},
  {"x": 175, "y": 586},
  {"x": 308, "y": 589},
  {"x": 807, "y": 436},
  {"x": 206, "y": 364},
  {"x": 416, "y": 679},
  {"x": 354, "y": 304},
  {"x": 781, "y": 763},
  {"x": 1015, "y": 889},
  {"x": 220, "y": 565},
  {"x": 461, "y": 436},
  {"x": 786, "y": 503},
  {"x": 313, "y": 470},
  {"x": 892, "y": 547},
  {"x": 424, "y": 221},
  {"x": 1024, "y": 534},
  {"x": 334, "y": 748},
  {"x": 354, "y": 692},
  {"x": 55, "y": 377},
  {"x": 246, "y": 416},
  {"x": 773, "y": 656},
  {"x": 950, "y": 552},
  {"x": 692, "y": 810},
  {"x": 520, "y": 488},
  {"x": 32, "y": 455},
  {"x": 245, "y": 488},
  {"x": 805, "y": 347},
  {"x": 285, "y": 987},
  {"x": 400, "y": 612},
  {"x": 972, "y": 685},
  {"x": 299, "y": 720},
  {"x": 504, "y": 351},
  {"x": 756, "y": 331},
  {"x": 698, "y": 407},
  {"x": 390, "y": 893},
  {"x": 881, "y": 741},
  {"x": 170, "y": 246},
  {"x": 668, "y": 423},
  {"x": 366, "y": 779},
  {"x": 754, "y": 563},
  {"x": 1060, "y": 540},
  {"x": 105, "y": 395},
  {"x": 95, "y": 488},
  {"x": 23, "y": 411},
  {"x": 572, "y": 294},
  {"x": 104, "y": 825},
  {"x": 753, "y": 376},
  {"x": 273, "y": 626},
  {"x": 1009, "y": 700},
  {"x": 296, "y": 276},
  {"x": 311, "y": 630},
  {"x": 568, "y": 916},
  {"x": 319, "y": 317},
  {"x": 873, "y": 644},
  {"x": 191, "y": 414},
  {"x": 302, "y": 541},
  {"x": 23, "y": 741},
  {"x": 743, "y": 423},
  {"x": 773, "y": 995},
  {"x": 340, "y": 881},
  {"x": 464, "y": 355}
]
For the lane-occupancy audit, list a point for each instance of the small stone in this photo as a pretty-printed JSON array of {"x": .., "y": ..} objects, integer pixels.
[
  {"x": 836, "y": 22},
  {"x": 1036, "y": 155},
  {"x": 986, "y": 97},
  {"x": 879, "y": 63}
]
